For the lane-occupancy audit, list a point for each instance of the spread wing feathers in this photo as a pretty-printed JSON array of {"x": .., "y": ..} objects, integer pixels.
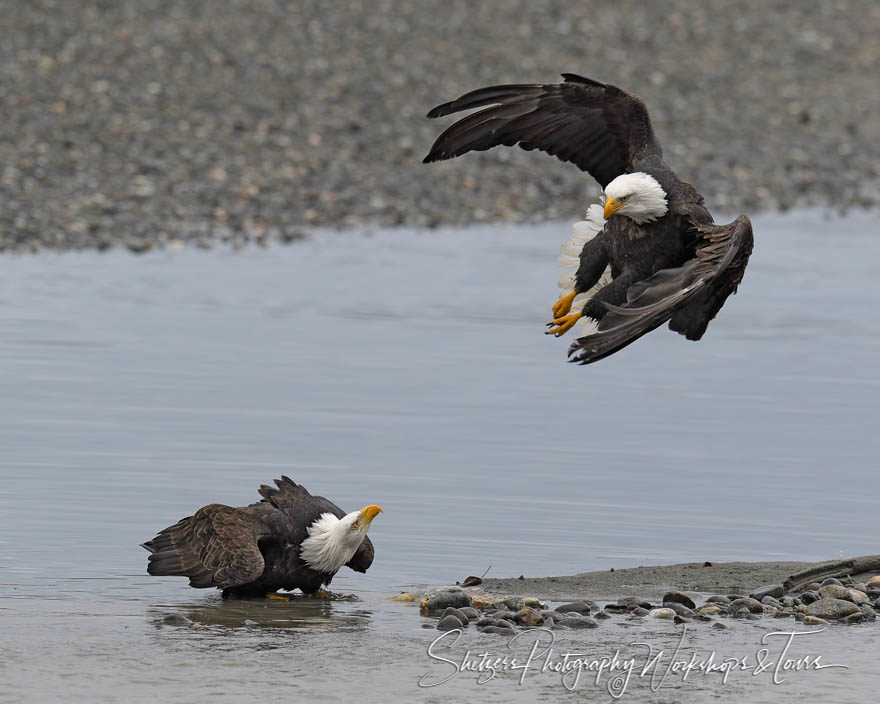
[
  {"x": 688, "y": 296},
  {"x": 215, "y": 547},
  {"x": 296, "y": 501},
  {"x": 600, "y": 128}
]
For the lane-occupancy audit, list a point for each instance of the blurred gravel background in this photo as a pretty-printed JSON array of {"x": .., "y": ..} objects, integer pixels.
[{"x": 144, "y": 122}]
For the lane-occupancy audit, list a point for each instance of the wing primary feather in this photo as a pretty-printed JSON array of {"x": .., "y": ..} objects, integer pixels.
[
  {"x": 575, "y": 78},
  {"x": 484, "y": 96}
]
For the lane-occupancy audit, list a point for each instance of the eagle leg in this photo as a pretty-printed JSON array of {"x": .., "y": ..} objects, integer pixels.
[
  {"x": 279, "y": 597},
  {"x": 563, "y": 324},
  {"x": 563, "y": 305}
]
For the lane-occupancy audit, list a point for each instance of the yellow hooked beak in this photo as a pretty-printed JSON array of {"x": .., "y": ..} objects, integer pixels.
[
  {"x": 368, "y": 513},
  {"x": 611, "y": 207}
]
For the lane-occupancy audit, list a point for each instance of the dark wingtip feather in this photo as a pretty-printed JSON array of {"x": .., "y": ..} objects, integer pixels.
[
  {"x": 578, "y": 353},
  {"x": 148, "y": 546},
  {"x": 164, "y": 565},
  {"x": 575, "y": 78},
  {"x": 435, "y": 156}
]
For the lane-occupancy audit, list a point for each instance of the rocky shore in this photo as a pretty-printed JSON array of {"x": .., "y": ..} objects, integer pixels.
[
  {"x": 701, "y": 593},
  {"x": 143, "y": 124}
]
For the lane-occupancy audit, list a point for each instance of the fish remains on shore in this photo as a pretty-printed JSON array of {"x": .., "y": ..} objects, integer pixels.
[
  {"x": 651, "y": 253},
  {"x": 289, "y": 540}
]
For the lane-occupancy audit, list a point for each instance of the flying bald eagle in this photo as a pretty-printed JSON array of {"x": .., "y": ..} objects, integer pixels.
[
  {"x": 288, "y": 540},
  {"x": 651, "y": 254}
]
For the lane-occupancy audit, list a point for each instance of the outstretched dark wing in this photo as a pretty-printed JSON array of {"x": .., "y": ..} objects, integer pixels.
[
  {"x": 600, "y": 128},
  {"x": 688, "y": 296},
  {"x": 296, "y": 501},
  {"x": 215, "y": 547}
]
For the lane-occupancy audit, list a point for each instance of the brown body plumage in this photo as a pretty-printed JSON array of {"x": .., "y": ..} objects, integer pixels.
[
  {"x": 252, "y": 550},
  {"x": 678, "y": 268}
]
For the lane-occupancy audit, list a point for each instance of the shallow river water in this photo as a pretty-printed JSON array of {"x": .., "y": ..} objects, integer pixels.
[{"x": 409, "y": 369}]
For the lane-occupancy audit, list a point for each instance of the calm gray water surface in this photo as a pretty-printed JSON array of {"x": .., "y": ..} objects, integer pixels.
[{"x": 409, "y": 369}]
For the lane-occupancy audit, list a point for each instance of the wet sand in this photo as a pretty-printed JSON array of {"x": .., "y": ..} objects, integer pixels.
[{"x": 652, "y": 582}]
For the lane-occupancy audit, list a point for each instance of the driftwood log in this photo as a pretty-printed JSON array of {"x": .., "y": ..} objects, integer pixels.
[{"x": 839, "y": 568}]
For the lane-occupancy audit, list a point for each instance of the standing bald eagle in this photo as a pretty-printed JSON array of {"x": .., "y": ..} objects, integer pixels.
[
  {"x": 658, "y": 256},
  {"x": 291, "y": 539}
]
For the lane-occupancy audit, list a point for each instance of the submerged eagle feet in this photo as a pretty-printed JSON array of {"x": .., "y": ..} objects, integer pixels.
[
  {"x": 563, "y": 324},
  {"x": 320, "y": 594},
  {"x": 279, "y": 597}
]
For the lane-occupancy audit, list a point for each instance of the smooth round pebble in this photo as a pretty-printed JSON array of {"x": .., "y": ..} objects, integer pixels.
[
  {"x": 470, "y": 612},
  {"x": 662, "y": 613},
  {"x": 447, "y": 623},
  {"x": 452, "y": 611},
  {"x": 815, "y": 621},
  {"x": 527, "y": 616},
  {"x": 772, "y": 590},
  {"x": 680, "y": 609},
  {"x": 808, "y": 597},
  {"x": 753, "y": 605},
  {"x": 679, "y": 598},
  {"x": 831, "y": 608},
  {"x": 717, "y": 599},
  {"x": 834, "y": 591}
]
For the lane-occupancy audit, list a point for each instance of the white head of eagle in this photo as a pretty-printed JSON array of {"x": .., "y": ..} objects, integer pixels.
[
  {"x": 638, "y": 196},
  {"x": 333, "y": 541}
]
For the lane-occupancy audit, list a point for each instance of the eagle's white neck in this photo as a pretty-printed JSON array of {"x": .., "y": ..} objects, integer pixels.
[{"x": 331, "y": 542}]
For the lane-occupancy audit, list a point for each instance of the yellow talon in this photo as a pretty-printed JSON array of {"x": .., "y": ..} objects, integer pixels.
[
  {"x": 563, "y": 305},
  {"x": 321, "y": 594},
  {"x": 564, "y": 324},
  {"x": 280, "y": 597}
]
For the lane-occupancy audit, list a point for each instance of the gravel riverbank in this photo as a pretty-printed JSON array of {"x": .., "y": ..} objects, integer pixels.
[
  {"x": 143, "y": 122},
  {"x": 805, "y": 592},
  {"x": 652, "y": 582}
]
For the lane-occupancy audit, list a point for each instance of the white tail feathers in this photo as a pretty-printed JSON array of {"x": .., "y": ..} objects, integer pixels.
[
  {"x": 581, "y": 233},
  {"x": 566, "y": 283}
]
